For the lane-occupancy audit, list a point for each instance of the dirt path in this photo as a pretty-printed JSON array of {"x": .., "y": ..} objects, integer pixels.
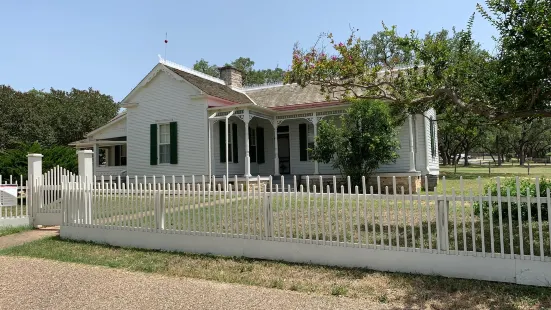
[
  {"x": 27, "y": 236},
  {"x": 29, "y": 283}
]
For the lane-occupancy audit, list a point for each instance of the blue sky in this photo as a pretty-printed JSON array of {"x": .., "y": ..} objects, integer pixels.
[{"x": 111, "y": 45}]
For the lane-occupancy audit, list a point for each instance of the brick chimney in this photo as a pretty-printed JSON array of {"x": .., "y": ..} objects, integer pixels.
[{"x": 232, "y": 76}]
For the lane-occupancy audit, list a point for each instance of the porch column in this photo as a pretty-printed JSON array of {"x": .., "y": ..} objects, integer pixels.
[
  {"x": 246, "y": 119},
  {"x": 315, "y": 124},
  {"x": 411, "y": 147},
  {"x": 276, "y": 155},
  {"x": 227, "y": 154},
  {"x": 210, "y": 128},
  {"x": 96, "y": 158}
]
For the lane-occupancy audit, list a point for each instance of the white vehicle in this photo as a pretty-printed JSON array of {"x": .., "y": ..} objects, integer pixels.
[{"x": 462, "y": 156}]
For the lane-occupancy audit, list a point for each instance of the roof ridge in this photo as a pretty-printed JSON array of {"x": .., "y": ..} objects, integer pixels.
[
  {"x": 263, "y": 86},
  {"x": 190, "y": 71}
]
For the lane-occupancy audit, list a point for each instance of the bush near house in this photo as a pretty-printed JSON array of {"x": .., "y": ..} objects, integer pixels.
[
  {"x": 526, "y": 186},
  {"x": 366, "y": 138},
  {"x": 14, "y": 161}
]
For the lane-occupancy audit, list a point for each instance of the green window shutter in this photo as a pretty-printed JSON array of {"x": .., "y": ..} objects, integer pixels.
[
  {"x": 117, "y": 155},
  {"x": 260, "y": 145},
  {"x": 252, "y": 149},
  {"x": 234, "y": 142},
  {"x": 222, "y": 139},
  {"x": 173, "y": 143},
  {"x": 153, "y": 144},
  {"x": 303, "y": 142}
]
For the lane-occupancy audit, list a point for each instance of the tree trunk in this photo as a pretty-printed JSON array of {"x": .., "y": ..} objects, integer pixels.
[
  {"x": 466, "y": 162},
  {"x": 521, "y": 156},
  {"x": 499, "y": 158}
]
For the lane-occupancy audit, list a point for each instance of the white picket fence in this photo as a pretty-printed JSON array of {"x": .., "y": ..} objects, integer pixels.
[{"x": 352, "y": 226}]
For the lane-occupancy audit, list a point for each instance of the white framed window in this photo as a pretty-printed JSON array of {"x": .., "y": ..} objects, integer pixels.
[
  {"x": 164, "y": 144},
  {"x": 311, "y": 140}
]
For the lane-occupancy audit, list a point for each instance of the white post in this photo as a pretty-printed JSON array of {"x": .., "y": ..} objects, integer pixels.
[
  {"x": 96, "y": 158},
  {"x": 86, "y": 173},
  {"x": 160, "y": 208},
  {"x": 211, "y": 126},
  {"x": 276, "y": 155},
  {"x": 227, "y": 154},
  {"x": 34, "y": 162},
  {"x": 411, "y": 147},
  {"x": 441, "y": 221},
  {"x": 246, "y": 119},
  {"x": 315, "y": 124}
]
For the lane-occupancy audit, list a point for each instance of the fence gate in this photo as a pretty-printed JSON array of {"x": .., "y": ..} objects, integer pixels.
[{"x": 46, "y": 200}]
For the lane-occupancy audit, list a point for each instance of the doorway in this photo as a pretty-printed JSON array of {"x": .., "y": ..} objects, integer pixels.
[{"x": 284, "y": 151}]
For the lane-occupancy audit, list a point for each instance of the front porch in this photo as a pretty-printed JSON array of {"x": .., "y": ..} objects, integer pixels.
[{"x": 250, "y": 142}]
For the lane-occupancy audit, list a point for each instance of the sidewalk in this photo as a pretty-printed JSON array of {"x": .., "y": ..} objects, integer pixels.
[
  {"x": 27, "y": 236},
  {"x": 28, "y": 283}
]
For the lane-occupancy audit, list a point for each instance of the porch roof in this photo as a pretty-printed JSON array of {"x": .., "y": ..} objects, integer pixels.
[{"x": 91, "y": 143}]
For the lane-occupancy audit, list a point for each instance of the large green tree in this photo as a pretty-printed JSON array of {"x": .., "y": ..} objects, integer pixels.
[
  {"x": 251, "y": 76},
  {"x": 204, "y": 66},
  {"x": 416, "y": 71},
  {"x": 55, "y": 117},
  {"x": 364, "y": 138}
]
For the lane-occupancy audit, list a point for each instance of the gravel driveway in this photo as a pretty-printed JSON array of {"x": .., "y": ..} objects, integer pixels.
[{"x": 28, "y": 283}]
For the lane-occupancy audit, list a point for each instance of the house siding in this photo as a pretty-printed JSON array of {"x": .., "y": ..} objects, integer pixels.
[
  {"x": 165, "y": 99},
  {"x": 118, "y": 129}
]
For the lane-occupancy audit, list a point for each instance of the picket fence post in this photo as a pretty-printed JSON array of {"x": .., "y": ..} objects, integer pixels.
[
  {"x": 159, "y": 208},
  {"x": 267, "y": 203},
  {"x": 86, "y": 173},
  {"x": 442, "y": 222},
  {"x": 34, "y": 172}
]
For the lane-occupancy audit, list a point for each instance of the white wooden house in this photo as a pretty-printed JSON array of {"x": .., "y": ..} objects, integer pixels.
[{"x": 182, "y": 122}]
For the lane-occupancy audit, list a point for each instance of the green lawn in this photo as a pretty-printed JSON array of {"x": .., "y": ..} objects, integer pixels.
[
  {"x": 393, "y": 289},
  {"x": 470, "y": 175}
]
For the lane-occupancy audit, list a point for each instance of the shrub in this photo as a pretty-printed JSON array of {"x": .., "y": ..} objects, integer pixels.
[
  {"x": 525, "y": 186},
  {"x": 14, "y": 161}
]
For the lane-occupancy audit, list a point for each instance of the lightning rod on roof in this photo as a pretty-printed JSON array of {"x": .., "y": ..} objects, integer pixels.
[{"x": 166, "y": 42}]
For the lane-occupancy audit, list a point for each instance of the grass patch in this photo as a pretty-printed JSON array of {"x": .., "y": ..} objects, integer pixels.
[
  {"x": 10, "y": 230},
  {"x": 400, "y": 290}
]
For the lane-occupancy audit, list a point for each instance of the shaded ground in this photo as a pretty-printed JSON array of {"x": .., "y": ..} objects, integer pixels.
[{"x": 34, "y": 283}]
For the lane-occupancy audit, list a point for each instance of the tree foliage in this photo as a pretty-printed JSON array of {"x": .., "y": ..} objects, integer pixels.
[
  {"x": 203, "y": 66},
  {"x": 14, "y": 161},
  {"x": 251, "y": 76},
  {"x": 51, "y": 118},
  {"x": 416, "y": 71},
  {"x": 363, "y": 139}
]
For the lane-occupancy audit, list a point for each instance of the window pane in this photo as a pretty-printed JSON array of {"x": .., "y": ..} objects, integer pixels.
[
  {"x": 164, "y": 153},
  {"x": 253, "y": 137},
  {"x": 310, "y": 133},
  {"x": 164, "y": 133}
]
